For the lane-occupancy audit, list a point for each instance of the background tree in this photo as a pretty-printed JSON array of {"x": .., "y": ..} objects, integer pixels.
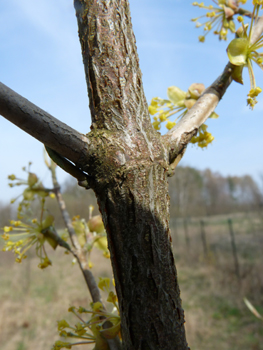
[{"x": 126, "y": 162}]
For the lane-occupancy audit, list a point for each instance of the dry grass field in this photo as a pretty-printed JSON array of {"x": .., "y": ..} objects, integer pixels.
[{"x": 32, "y": 300}]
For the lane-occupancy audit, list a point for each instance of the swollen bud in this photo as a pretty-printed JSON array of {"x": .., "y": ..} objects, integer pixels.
[
  {"x": 32, "y": 179},
  {"x": 28, "y": 195},
  {"x": 237, "y": 74},
  {"x": 95, "y": 224},
  {"x": 49, "y": 220},
  {"x": 237, "y": 51},
  {"x": 228, "y": 12},
  {"x": 233, "y": 4},
  {"x": 195, "y": 90},
  {"x": 176, "y": 96}
]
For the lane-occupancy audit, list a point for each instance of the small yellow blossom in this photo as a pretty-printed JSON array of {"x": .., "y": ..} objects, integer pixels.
[
  {"x": 170, "y": 125},
  {"x": 26, "y": 235},
  {"x": 112, "y": 298},
  {"x": 8, "y": 229},
  {"x": 152, "y": 110},
  {"x": 106, "y": 254},
  {"x": 180, "y": 102},
  {"x": 220, "y": 17},
  {"x": 104, "y": 283},
  {"x": 80, "y": 329},
  {"x": 204, "y": 137},
  {"x": 254, "y": 92},
  {"x": 45, "y": 263},
  {"x": 97, "y": 306},
  {"x": 62, "y": 325},
  {"x": 60, "y": 345},
  {"x": 12, "y": 177},
  {"x": 5, "y": 236},
  {"x": 241, "y": 53}
]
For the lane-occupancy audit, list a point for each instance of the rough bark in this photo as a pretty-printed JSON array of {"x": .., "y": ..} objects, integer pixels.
[{"x": 129, "y": 164}]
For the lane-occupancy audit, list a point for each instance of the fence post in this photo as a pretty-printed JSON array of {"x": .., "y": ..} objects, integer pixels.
[
  {"x": 203, "y": 237},
  {"x": 234, "y": 249},
  {"x": 186, "y": 233}
]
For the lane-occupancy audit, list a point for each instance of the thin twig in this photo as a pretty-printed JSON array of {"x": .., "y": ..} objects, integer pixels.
[
  {"x": 77, "y": 250},
  {"x": 244, "y": 12}
]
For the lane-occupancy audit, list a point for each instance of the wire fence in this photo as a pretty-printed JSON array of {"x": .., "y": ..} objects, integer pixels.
[{"x": 235, "y": 241}]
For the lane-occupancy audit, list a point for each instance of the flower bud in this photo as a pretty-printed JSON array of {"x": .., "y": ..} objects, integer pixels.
[
  {"x": 228, "y": 12},
  {"x": 32, "y": 179},
  {"x": 237, "y": 51},
  {"x": 95, "y": 224},
  {"x": 176, "y": 96},
  {"x": 195, "y": 90}
]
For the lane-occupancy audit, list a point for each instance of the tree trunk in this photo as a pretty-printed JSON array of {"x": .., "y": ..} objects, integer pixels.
[
  {"x": 133, "y": 198},
  {"x": 136, "y": 214},
  {"x": 129, "y": 164}
]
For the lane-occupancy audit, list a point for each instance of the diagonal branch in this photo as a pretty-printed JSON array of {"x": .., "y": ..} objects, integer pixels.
[
  {"x": 177, "y": 139},
  {"x": 43, "y": 126}
]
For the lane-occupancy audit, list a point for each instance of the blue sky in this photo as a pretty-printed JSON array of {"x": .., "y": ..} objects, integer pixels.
[{"x": 40, "y": 59}]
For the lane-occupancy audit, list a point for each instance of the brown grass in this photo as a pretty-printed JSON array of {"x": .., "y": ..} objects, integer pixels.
[{"x": 32, "y": 300}]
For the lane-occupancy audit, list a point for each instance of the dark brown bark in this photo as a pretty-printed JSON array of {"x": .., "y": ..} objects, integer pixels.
[
  {"x": 129, "y": 164},
  {"x": 136, "y": 214},
  {"x": 133, "y": 198}
]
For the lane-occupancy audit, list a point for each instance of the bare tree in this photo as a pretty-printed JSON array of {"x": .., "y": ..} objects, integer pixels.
[{"x": 126, "y": 163}]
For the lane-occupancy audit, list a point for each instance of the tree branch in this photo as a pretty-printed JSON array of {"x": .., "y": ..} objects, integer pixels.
[
  {"x": 111, "y": 63},
  {"x": 84, "y": 180},
  {"x": 179, "y": 136},
  {"x": 43, "y": 126}
]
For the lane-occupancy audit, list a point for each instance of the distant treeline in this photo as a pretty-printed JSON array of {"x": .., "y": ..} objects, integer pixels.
[
  {"x": 193, "y": 193},
  {"x": 197, "y": 193}
]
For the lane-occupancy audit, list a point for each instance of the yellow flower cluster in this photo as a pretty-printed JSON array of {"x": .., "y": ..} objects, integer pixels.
[
  {"x": 203, "y": 137},
  {"x": 91, "y": 234},
  {"x": 104, "y": 284},
  {"x": 20, "y": 237},
  {"x": 241, "y": 53},
  {"x": 92, "y": 331},
  {"x": 253, "y": 93},
  {"x": 220, "y": 18},
  {"x": 180, "y": 102},
  {"x": 161, "y": 110},
  {"x": 258, "y": 2}
]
